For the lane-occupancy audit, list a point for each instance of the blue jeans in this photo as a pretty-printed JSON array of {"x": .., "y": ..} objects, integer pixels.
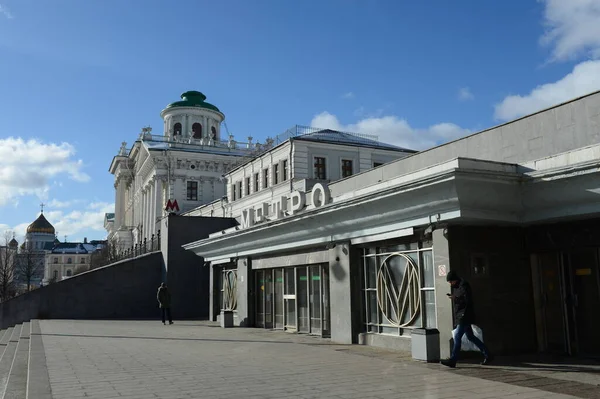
[{"x": 466, "y": 329}]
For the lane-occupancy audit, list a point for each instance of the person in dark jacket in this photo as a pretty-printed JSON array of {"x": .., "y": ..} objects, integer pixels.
[
  {"x": 464, "y": 316},
  {"x": 164, "y": 302}
]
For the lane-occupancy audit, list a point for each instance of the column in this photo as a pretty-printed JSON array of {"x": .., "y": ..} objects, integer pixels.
[
  {"x": 205, "y": 129},
  {"x": 152, "y": 209},
  {"x": 340, "y": 294},
  {"x": 245, "y": 298},
  {"x": 148, "y": 201},
  {"x": 142, "y": 212},
  {"x": 443, "y": 310},
  {"x": 158, "y": 187}
]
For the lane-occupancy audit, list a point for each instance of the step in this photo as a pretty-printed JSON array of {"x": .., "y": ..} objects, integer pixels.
[
  {"x": 4, "y": 340},
  {"x": 38, "y": 381},
  {"x": 8, "y": 357},
  {"x": 16, "y": 387}
]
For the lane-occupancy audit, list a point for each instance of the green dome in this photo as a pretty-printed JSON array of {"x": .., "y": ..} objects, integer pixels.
[{"x": 193, "y": 99}]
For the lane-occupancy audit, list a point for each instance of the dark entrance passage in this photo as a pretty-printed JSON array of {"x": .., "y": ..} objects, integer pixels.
[{"x": 568, "y": 298}]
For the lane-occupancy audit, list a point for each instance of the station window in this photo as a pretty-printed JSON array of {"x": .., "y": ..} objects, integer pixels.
[
  {"x": 276, "y": 173},
  {"x": 320, "y": 171},
  {"x": 266, "y": 178},
  {"x": 247, "y": 185},
  {"x": 256, "y": 183},
  {"x": 346, "y": 168},
  {"x": 192, "y": 191},
  {"x": 285, "y": 170}
]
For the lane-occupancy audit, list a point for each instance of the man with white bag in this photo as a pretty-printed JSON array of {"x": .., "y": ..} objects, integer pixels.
[{"x": 464, "y": 316}]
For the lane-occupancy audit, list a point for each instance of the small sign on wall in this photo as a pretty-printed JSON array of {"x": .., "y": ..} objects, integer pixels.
[{"x": 442, "y": 271}]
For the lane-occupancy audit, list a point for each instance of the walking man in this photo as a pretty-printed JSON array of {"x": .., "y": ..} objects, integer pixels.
[
  {"x": 464, "y": 316},
  {"x": 164, "y": 302}
]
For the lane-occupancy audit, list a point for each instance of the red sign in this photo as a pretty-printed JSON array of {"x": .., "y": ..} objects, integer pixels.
[{"x": 172, "y": 206}]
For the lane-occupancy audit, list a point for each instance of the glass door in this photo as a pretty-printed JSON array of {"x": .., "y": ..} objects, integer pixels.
[
  {"x": 325, "y": 291},
  {"x": 585, "y": 284},
  {"x": 260, "y": 298},
  {"x": 315, "y": 300},
  {"x": 268, "y": 298},
  {"x": 553, "y": 302},
  {"x": 302, "y": 298},
  {"x": 278, "y": 285},
  {"x": 289, "y": 296}
]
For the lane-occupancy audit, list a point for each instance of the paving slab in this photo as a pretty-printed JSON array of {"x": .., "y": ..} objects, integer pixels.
[{"x": 135, "y": 359}]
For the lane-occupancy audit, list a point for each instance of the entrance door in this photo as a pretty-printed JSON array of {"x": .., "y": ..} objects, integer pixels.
[
  {"x": 553, "y": 303},
  {"x": 315, "y": 300},
  {"x": 585, "y": 300},
  {"x": 268, "y": 299},
  {"x": 278, "y": 284},
  {"x": 302, "y": 298},
  {"x": 289, "y": 296},
  {"x": 570, "y": 299},
  {"x": 260, "y": 298}
]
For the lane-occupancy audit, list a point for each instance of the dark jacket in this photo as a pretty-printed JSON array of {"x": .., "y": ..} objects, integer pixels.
[
  {"x": 464, "y": 312},
  {"x": 164, "y": 297}
]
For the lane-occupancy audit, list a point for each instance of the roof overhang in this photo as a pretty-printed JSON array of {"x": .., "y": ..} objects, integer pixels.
[{"x": 431, "y": 196}]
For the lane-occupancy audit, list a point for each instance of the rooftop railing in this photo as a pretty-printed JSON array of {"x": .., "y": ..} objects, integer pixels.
[{"x": 325, "y": 135}]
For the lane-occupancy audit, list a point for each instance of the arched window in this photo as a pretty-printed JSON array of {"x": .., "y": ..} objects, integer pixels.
[
  {"x": 213, "y": 130},
  {"x": 197, "y": 129},
  {"x": 177, "y": 129},
  {"x": 69, "y": 260},
  {"x": 69, "y": 273}
]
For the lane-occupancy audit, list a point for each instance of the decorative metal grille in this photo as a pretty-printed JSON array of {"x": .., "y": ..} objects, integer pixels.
[
  {"x": 229, "y": 289},
  {"x": 400, "y": 303}
]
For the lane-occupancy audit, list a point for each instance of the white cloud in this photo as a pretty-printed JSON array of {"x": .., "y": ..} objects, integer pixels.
[
  {"x": 75, "y": 223},
  {"x": 572, "y": 28},
  {"x": 62, "y": 204},
  {"x": 5, "y": 11},
  {"x": 464, "y": 94},
  {"x": 393, "y": 130},
  {"x": 584, "y": 79},
  {"x": 26, "y": 167},
  {"x": 349, "y": 95}
]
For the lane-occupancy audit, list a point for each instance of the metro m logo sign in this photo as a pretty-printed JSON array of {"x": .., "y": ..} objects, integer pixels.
[{"x": 172, "y": 206}]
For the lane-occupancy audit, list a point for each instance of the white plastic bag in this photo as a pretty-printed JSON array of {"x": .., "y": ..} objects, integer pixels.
[{"x": 466, "y": 345}]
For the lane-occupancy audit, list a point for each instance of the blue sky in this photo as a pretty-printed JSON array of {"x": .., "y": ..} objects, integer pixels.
[{"x": 79, "y": 77}]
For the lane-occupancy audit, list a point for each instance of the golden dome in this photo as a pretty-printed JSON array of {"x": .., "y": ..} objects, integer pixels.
[{"x": 41, "y": 225}]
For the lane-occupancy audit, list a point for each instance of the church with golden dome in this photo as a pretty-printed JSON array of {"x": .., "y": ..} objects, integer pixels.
[{"x": 40, "y": 235}]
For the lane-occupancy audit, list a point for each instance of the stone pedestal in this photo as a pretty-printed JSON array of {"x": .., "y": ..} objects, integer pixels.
[
  {"x": 226, "y": 318},
  {"x": 425, "y": 344}
]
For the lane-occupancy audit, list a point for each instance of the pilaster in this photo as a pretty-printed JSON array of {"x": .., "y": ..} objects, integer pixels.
[{"x": 444, "y": 312}]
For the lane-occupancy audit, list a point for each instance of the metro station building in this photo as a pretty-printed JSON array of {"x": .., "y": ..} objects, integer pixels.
[{"x": 362, "y": 257}]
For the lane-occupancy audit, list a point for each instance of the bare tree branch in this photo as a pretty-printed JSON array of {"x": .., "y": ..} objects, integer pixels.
[{"x": 8, "y": 257}]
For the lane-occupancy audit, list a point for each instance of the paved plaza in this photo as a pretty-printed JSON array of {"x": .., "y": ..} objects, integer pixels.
[{"x": 191, "y": 359}]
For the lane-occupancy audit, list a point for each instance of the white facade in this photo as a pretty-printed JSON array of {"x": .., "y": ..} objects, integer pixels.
[
  {"x": 296, "y": 165},
  {"x": 185, "y": 164},
  {"x": 65, "y": 259}
]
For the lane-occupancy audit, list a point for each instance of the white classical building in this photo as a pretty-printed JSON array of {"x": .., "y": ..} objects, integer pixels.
[
  {"x": 302, "y": 157},
  {"x": 65, "y": 259},
  {"x": 187, "y": 168},
  {"x": 183, "y": 168}
]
